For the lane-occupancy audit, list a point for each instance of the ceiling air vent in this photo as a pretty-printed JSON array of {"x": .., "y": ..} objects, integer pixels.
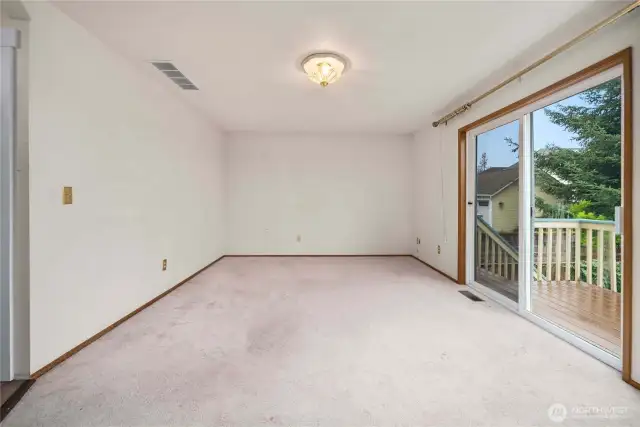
[{"x": 176, "y": 76}]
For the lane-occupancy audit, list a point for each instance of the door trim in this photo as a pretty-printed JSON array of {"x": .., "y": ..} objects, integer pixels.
[
  {"x": 621, "y": 58},
  {"x": 9, "y": 43}
]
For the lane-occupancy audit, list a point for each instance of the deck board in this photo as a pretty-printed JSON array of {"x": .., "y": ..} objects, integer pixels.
[{"x": 589, "y": 311}]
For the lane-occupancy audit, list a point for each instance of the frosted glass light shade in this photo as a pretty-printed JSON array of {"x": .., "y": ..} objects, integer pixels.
[{"x": 323, "y": 68}]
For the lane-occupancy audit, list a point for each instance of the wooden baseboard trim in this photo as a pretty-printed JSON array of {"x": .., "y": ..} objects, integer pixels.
[
  {"x": 436, "y": 270},
  {"x": 109, "y": 328},
  {"x": 315, "y": 256},
  {"x": 632, "y": 383}
]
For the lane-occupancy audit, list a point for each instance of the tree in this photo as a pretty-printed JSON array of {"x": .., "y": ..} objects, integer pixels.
[
  {"x": 583, "y": 210},
  {"x": 483, "y": 163},
  {"x": 587, "y": 180},
  {"x": 588, "y": 176}
]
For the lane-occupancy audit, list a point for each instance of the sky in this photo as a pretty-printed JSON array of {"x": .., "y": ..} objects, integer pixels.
[{"x": 499, "y": 154}]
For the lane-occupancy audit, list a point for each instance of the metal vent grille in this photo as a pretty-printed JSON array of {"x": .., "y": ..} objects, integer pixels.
[
  {"x": 175, "y": 75},
  {"x": 471, "y": 296}
]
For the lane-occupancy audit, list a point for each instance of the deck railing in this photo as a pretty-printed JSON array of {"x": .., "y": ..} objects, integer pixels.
[
  {"x": 494, "y": 253},
  {"x": 576, "y": 250}
]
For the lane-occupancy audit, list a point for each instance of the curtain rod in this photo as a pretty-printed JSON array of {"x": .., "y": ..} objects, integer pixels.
[{"x": 541, "y": 61}]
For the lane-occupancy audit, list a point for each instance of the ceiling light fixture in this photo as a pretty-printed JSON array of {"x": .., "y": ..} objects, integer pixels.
[{"x": 324, "y": 68}]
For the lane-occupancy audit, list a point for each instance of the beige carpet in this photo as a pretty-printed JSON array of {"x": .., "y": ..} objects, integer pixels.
[{"x": 326, "y": 342}]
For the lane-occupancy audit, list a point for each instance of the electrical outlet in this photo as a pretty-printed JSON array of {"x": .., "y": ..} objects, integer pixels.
[
  {"x": 438, "y": 249},
  {"x": 164, "y": 265},
  {"x": 417, "y": 240},
  {"x": 299, "y": 238}
]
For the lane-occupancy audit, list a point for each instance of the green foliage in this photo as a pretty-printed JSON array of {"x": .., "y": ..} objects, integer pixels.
[
  {"x": 583, "y": 210},
  {"x": 580, "y": 210},
  {"x": 592, "y": 172},
  {"x": 546, "y": 210},
  {"x": 606, "y": 277}
]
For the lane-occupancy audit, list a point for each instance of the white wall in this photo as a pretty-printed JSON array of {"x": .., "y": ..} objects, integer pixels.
[
  {"x": 147, "y": 177},
  {"x": 435, "y": 216},
  {"x": 341, "y": 194}
]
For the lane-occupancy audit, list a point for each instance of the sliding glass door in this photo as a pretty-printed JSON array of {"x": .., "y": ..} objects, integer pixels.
[
  {"x": 544, "y": 196},
  {"x": 577, "y": 165},
  {"x": 496, "y": 216}
]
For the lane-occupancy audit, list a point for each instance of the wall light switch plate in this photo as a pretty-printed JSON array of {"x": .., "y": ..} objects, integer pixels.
[{"x": 67, "y": 196}]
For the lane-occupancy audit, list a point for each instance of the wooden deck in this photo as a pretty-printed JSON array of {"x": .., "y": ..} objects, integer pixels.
[{"x": 589, "y": 311}]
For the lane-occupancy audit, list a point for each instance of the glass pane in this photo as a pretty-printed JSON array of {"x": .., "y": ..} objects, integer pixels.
[
  {"x": 497, "y": 210},
  {"x": 577, "y": 254}
]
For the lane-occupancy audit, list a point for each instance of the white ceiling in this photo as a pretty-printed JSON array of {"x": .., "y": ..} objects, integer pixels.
[{"x": 409, "y": 59}]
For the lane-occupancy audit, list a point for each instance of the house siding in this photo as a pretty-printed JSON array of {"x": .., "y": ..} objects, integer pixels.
[{"x": 505, "y": 218}]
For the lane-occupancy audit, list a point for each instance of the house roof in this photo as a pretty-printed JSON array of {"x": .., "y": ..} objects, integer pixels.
[{"x": 495, "y": 179}]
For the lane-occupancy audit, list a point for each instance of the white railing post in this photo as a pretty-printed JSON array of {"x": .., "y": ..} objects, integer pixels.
[
  {"x": 549, "y": 253},
  {"x": 614, "y": 261},
  {"x": 601, "y": 257},
  {"x": 486, "y": 251},
  {"x": 492, "y": 246},
  {"x": 567, "y": 264},
  {"x": 589, "y": 256},
  {"x": 505, "y": 264},
  {"x": 513, "y": 269},
  {"x": 578, "y": 245},
  {"x": 558, "y": 253},
  {"x": 478, "y": 246},
  {"x": 540, "y": 252}
]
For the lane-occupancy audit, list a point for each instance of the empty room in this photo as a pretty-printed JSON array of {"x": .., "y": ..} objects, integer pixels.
[{"x": 322, "y": 213}]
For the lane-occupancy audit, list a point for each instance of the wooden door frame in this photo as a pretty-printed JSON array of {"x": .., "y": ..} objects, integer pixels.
[{"x": 621, "y": 58}]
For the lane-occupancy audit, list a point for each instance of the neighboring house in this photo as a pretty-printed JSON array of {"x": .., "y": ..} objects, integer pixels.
[{"x": 497, "y": 191}]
